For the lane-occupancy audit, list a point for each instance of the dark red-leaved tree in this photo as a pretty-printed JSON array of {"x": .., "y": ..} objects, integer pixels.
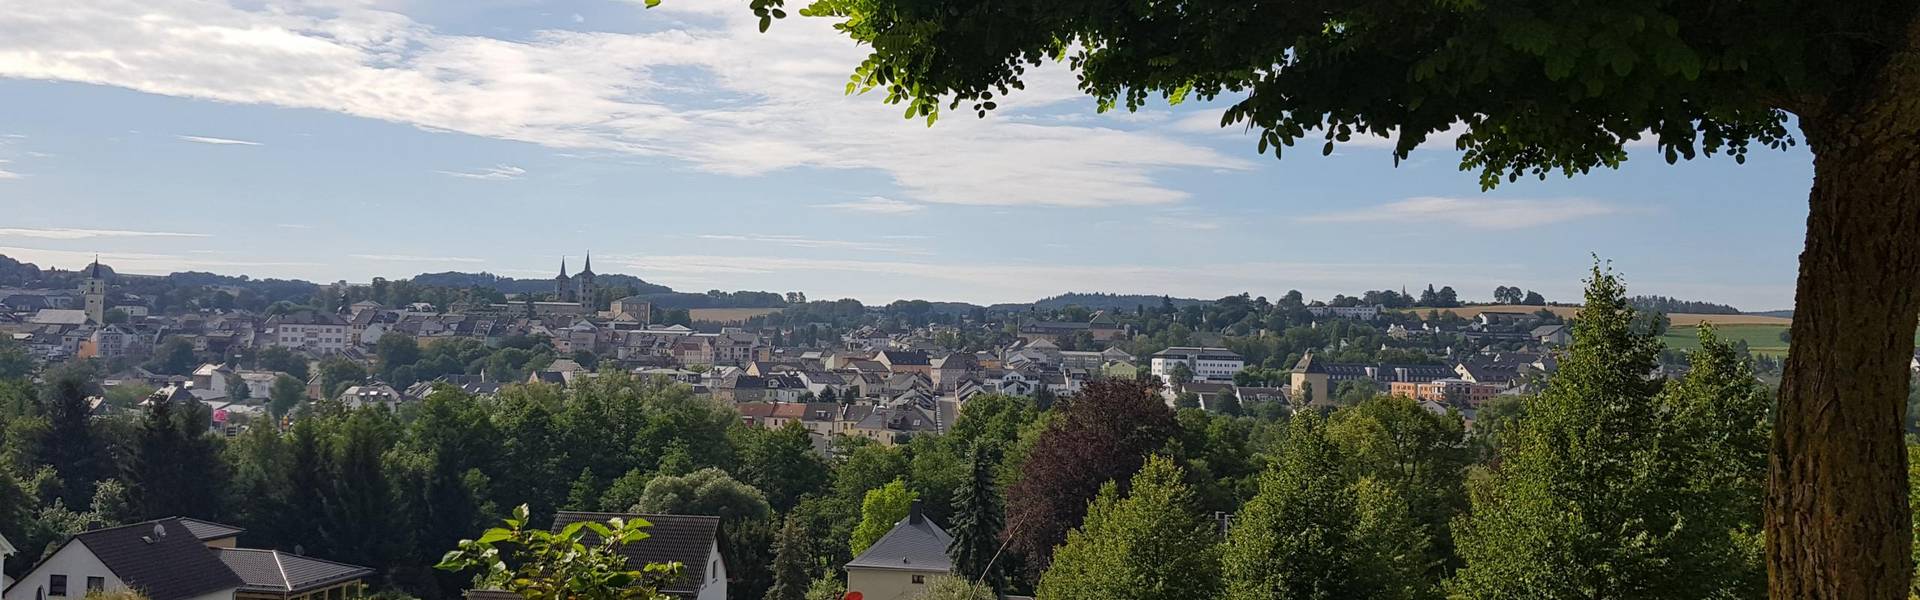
[{"x": 1104, "y": 433}]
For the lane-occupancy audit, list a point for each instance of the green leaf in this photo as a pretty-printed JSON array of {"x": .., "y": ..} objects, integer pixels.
[{"x": 494, "y": 535}]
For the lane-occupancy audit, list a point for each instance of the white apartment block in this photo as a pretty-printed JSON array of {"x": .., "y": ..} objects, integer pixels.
[{"x": 1207, "y": 364}]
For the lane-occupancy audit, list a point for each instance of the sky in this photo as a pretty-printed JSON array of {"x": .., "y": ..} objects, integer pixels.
[{"x": 348, "y": 139}]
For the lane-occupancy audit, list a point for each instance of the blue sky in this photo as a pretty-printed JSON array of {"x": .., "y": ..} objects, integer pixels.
[{"x": 347, "y": 139}]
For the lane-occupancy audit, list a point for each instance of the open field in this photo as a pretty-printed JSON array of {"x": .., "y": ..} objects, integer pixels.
[
  {"x": 1691, "y": 319},
  {"x": 727, "y": 315},
  {"x": 1761, "y": 338}
]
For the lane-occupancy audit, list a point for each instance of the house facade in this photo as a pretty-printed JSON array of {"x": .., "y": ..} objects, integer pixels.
[
  {"x": 179, "y": 558},
  {"x": 901, "y": 564},
  {"x": 1206, "y": 364}
]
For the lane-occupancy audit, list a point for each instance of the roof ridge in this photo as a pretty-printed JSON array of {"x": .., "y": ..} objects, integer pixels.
[{"x": 282, "y": 567}]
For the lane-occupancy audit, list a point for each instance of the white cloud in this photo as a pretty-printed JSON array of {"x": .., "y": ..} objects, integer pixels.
[
  {"x": 875, "y": 204},
  {"x": 715, "y": 93},
  {"x": 70, "y": 233},
  {"x": 579, "y": 19},
  {"x": 292, "y": 226},
  {"x": 1478, "y": 213},
  {"x": 493, "y": 173},
  {"x": 215, "y": 141},
  {"x": 412, "y": 258},
  {"x": 5, "y": 174}
]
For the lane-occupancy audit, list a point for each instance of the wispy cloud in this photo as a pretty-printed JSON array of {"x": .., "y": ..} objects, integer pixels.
[
  {"x": 292, "y": 226},
  {"x": 69, "y": 233},
  {"x": 794, "y": 241},
  {"x": 140, "y": 262},
  {"x": 412, "y": 258},
  {"x": 1478, "y": 213},
  {"x": 198, "y": 139},
  {"x": 581, "y": 91},
  {"x": 5, "y": 174},
  {"x": 875, "y": 204},
  {"x": 493, "y": 173}
]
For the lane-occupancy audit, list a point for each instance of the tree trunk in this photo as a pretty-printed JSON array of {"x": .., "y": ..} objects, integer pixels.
[{"x": 1838, "y": 524}]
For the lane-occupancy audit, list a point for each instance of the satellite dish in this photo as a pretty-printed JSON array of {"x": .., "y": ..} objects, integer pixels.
[
  {"x": 299, "y": 549},
  {"x": 159, "y": 531}
]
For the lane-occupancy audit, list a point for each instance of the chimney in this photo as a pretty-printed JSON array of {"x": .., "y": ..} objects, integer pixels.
[{"x": 914, "y": 515}]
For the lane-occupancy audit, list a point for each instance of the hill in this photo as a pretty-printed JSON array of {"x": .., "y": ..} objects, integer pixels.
[
  {"x": 1099, "y": 301},
  {"x": 510, "y": 285}
]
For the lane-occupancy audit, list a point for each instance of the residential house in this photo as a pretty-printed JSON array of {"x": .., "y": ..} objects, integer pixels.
[
  {"x": 111, "y": 341},
  {"x": 901, "y": 563},
  {"x": 6, "y": 551},
  {"x": 1552, "y": 335},
  {"x": 895, "y": 425},
  {"x": 691, "y": 540},
  {"x": 906, "y": 361},
  {"x": 371, "y": 394},
  {"x": 178, "y": 558}
]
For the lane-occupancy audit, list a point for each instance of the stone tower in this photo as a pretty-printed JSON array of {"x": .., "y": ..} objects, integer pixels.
[
  {"x": 94, "y": 290},
  {"x": 563, "y": 289}
]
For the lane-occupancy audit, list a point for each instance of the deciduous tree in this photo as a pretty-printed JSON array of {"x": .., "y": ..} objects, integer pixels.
[
  {"x": 1151, "y": 544},
  {"x": 1533, "y": 89}
]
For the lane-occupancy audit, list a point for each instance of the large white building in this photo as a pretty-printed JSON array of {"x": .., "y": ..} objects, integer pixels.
[
  {"x": 1365, "y": 313},
  {"x": 1206, "y": 364},
  {"x": 308, "y": 330}
]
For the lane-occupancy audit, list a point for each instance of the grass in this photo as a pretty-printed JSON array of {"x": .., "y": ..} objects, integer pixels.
[{"x": 1760, "y": 338}]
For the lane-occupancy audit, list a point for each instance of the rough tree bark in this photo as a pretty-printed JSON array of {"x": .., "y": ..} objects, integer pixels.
[{"x": 1837, "y": 517}]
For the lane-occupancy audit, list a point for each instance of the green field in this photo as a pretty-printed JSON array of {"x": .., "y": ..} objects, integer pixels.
[{"x": 1761, "y": 339}]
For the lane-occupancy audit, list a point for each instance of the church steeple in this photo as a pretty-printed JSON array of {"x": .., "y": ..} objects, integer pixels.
[
  {"x": 563, "y": 266},
  {"x": 588, "y": 270}
]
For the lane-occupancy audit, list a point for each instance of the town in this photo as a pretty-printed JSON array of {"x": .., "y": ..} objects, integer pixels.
[{"x": 786, "y": 406}]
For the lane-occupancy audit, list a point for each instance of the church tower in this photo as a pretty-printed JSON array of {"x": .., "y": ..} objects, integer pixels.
[
  {"x": 583, "y": 283},
  {"x": 95, "y": 292},
  {"x": 563, "y": 285}
]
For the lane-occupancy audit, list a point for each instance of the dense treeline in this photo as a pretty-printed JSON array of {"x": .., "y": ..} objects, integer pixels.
[
  {"x": 1663, "y": 304},
  {"x": 1607, "y": 483}
]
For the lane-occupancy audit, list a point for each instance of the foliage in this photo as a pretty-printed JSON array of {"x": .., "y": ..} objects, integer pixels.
[
  {"x": 175, "y": 469},
  {"x": 1420, "y": 456},
  {"x": 708, "y": 491},
  {"x": 793, "y": 562},
  {"x": 1605, "y": 490},
  {"x": 566, "y": 565},
  {"x": 977, "y": 521},
  {"x": 881, "y": 509},
  {"x": 1150, "y": 545},
  {"x": 1313, "y": 531},
  {"x": 782, "y": 463},
  {"x": 1102, "y": 434},
  {"x": 955, "y": 588}
]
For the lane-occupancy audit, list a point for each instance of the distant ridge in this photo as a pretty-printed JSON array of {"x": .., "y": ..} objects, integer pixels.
[{"x": 1100, "y": 301}]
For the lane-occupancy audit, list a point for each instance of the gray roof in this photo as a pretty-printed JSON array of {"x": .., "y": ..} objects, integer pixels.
[
  {"x": 275, "y": 571},
  {"x": 914, "y": 544},
  {"x": 173, "y": 566},
  {"x": 208, "y": 530},
  {"x": 685, "y": 539}
]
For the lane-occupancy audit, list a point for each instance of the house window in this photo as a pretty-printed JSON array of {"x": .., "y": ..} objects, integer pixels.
[
  {"x": 96, "y": 584},
  {"x": 56, "y": 585},
  {"x": 919, "y": 579},
  {"x": 714, "y": 569}
]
